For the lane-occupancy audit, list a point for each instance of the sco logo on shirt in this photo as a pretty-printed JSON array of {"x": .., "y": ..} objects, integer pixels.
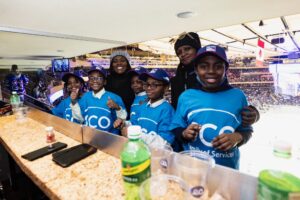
[
  {"x": 215, "y": 125},
  {"x": 94, "y": 121},
  {"x": 69, "y": 118}
]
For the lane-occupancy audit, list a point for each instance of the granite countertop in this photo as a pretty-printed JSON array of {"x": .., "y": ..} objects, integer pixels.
[{"x": 95, "y": 177}]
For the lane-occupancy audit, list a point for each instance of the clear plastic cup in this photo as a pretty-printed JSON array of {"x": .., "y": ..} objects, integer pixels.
[
  {"x": 193, "y": 166},
  {"x": 164, "y": 187},
  {"x": 160, "y": 159},
  {"x": 20, "y": 113}
]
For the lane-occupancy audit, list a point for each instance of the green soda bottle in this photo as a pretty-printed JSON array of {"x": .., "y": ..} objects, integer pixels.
[
  {"x": 135, "y": 158},
  {"x": 14, "y": 100},
  {"x": 278, "y": 185}
]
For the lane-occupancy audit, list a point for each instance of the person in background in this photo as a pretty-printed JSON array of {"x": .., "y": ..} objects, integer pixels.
[
  {"x": 186, "y": 47},
  {"x": 156, "y": 115},
  {"x": 99, "y": 108},
  {"x": 40, "y": 92},
  {"x": 137, "y": 85},
  {"x": 208, "y": 118},
  {"x": 16, "y": 81},
  {"x": 118, "y": 80},
  {"x": 74, "y": 87}
]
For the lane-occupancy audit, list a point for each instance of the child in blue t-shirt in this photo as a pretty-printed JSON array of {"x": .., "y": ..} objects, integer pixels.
[
  {"x": 138, "y": 88},
  {"x": 155, "y": 115},
  {"x": 208, "y": 117},
  {"x": 73, "y": 85},
  {"x": 99, "y": 108}
]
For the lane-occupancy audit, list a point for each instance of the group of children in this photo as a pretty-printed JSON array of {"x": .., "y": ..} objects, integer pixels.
[{"x": 207, "y": 117}]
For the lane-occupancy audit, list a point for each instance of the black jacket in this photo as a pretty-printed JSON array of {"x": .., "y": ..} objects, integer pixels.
[
  {"x": 184, "y": 79},
  {"x": 120, "y": 85}
]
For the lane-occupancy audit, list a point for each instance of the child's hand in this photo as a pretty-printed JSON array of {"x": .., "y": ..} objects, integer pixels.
[
  {"x": 226, "y": 142},
  {"x": 119, "y": 123},
  {"x": 124, "y": 131},
  {"x": 74, "y": 95},
  {"x": 249, "y": 116},
  {"x": 113, "y": 105},
  {"x": 191, "y": 132}
]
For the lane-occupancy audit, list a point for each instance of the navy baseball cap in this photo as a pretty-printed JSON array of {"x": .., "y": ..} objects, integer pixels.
[
  {"x": 76, "y": 74},
  {"x": 157, "y": 74},
  {"x": 99, "y": 69},
  {"x": 137, "y": 71},
  {"x": 212, "y": 50}
]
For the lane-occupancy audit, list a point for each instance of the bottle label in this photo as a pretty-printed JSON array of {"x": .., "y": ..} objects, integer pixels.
[{"x": 136, "y": 172}]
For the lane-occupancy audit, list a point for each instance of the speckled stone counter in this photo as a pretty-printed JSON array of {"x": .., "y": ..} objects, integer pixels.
[{"x": 96, "y": 177}]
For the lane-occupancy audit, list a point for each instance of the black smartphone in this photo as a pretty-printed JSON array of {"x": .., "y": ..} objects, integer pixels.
[
  {"x": 44, "y": 151},
  {"x": 74, "y": 154}
]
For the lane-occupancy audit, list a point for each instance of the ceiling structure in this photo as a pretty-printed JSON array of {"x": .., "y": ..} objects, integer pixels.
[
  {"x": 242, "y": 39},
  {"x": 33, "y": 32}
]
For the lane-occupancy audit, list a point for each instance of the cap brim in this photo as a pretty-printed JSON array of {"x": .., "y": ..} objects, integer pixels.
[
  {"x": 101, "y": 72},
  {"x": 144, "y": 77},
  {"x": 68, "y": 75},
  {"x": 201, "y": 55},
  {"x": 132, "y": 73}
]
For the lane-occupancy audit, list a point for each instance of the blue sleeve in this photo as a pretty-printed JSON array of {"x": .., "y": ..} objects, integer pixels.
[
  {"x": 25, "y": 79},
  {"x": 163, "y": 128},
  {"x": 120, "y": 102},
  {"x": 83, "y": 104},
  {"x": 59, "y": 109},
  {"x": 133, "y": 118},
  {"x": 179, "y": 120}
]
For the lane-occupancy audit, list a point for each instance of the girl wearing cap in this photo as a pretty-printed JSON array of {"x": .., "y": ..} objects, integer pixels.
[
  {"x": 208, "y": 117},
  {"x": 156, "y": 115},
  {"x": 74, "y": 85},
  {"x": 118, "y": 81},
  {"x": 186, "y": 47},
  {"x": 98, "y": 107}
]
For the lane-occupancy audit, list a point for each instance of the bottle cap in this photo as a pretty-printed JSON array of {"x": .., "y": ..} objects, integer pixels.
[
  {"x": 134, "y": 132},
  {"x": 49, "y": 128},
  {"x": 14, "y": 92}
]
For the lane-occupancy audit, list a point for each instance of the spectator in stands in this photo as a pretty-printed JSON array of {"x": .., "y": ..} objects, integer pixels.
[
  {"x": 74, "y": 86},
  {"x": 212, "y": 109},
  {"x": 186, "y": 47},
  {"x": 40, "y": 92},
  {"x": 15, "y": 81},
  {"x": 118, "y": 80}
]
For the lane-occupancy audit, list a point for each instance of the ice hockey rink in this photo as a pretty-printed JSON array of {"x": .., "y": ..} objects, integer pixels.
[{"x": 280, "y": 124}]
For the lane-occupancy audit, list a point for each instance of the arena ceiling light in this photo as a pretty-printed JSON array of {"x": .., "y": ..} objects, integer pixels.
[{"x": 186, "y": 14}]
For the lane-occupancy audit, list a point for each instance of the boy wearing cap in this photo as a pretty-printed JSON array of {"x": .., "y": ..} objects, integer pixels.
[
  {"x": 156, "y": 115},
  {"x": 100, "y": 108},
  {"x": 208, "y": 118},
  {"x": 137, "y": 86},
  {"x": 186, "y": 47},
  {"x": 73, "y": 85}
]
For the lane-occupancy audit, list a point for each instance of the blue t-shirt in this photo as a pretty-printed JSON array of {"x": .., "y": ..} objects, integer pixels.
[
  {"x": 138, "y": 100},
  {"x": 217, "y": 113},
  {"x": 156, "y": 119},
  {"x": 97, "y": 114},
  {"x": 64, "y": 110}
]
